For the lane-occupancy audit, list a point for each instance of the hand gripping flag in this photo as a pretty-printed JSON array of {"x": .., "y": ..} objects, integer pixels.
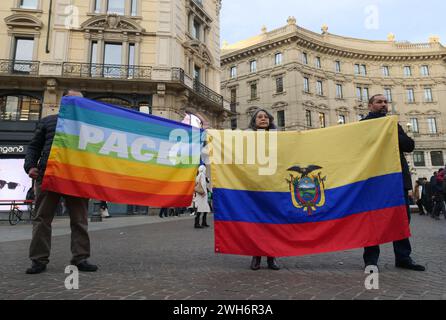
[
  {"x": 297, "y": 193},
  {"x": 114, "y": 154}
]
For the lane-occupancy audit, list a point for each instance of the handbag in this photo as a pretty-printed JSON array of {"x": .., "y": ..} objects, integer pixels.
[{"x": 199, "y": 188}]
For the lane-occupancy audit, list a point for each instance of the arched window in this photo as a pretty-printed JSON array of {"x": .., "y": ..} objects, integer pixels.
[
  {"x": 116, "y": 102},
  {"x": 137, "y": 102},
  {"x": 20, "y": 108}
]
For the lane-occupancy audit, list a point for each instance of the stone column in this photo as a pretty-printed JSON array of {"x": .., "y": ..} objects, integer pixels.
[
  {"x": 50, "y": 104},
  {"x": 159, "y": 102},
  {"x": 125, "y": 50},
  {"x": 101, "y": 48}
]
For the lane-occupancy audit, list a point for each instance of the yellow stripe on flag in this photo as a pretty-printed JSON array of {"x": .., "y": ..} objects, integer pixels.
[
  {"x": 347, "y": 154},
  {"x": 119, "y": 166}
]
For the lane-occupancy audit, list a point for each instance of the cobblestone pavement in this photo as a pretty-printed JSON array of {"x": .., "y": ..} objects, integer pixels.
[{"x": 174, "y": 261}]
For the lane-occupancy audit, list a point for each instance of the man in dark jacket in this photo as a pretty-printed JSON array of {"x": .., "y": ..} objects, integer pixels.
[
  {"x": 378, "y": 106},
  {"x": 47, "y": 201}
]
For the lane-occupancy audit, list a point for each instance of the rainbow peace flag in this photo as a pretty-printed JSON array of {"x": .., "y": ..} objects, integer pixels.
[
  {"x": 298, "y": 193},
  {"x": 114, "y": 154}
]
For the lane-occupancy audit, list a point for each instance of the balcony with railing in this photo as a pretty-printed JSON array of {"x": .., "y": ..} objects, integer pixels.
[
  {"x": 196, "y": 86},
  {"x": 113, "y": 71},
  {"x": 19, "y": 67}
]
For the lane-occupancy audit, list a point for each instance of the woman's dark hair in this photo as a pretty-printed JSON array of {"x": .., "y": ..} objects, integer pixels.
[{"x": 252, "y": 123}]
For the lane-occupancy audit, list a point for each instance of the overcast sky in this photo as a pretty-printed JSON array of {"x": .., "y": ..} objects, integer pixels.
[{"x": 409, "y": 20}]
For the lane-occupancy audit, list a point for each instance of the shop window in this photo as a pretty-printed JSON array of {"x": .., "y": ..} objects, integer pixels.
[
  {"x": 20, "y": 108},
  {"x": 14, "y": 182}
]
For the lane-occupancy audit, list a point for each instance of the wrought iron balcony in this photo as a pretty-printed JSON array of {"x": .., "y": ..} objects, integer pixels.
[
  {"x": 19, "y": 67},
  {"x": 92, "y": 70},
  {"x": 113, "y": 71},
  {"x": 196, "y": 86}
]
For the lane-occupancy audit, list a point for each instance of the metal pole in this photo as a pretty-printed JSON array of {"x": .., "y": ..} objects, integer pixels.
[{"x": 49, "y": 26}]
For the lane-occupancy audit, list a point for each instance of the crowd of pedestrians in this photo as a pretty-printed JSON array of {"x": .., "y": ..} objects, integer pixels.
[{"x": 429, "y": 195}]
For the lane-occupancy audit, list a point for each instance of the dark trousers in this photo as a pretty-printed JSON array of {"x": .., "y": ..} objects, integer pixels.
[
  {"x": 164, "y": 212},
  {"x": 401, "y": 248},
  {"x": 46, "y": 204},
  {"x": 427, "y": 203},
  {"x": 197, "y": 218},
  {"x": 439, "y": 206},
  {"x": 420, "y": 206}
]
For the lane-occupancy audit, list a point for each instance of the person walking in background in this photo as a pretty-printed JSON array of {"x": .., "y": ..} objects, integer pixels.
[
  {"x": 426, "y": 196},
  {"x": 201, "y": 198},
  {"x": 437, "y": 189},
  {"x": 417, "y": 196},
  {"x": 46, "y": 203},
  {"x": 103, "y": 209},
  {"x": 164, "y": 212},
  {"x": 262, "y": 120}
]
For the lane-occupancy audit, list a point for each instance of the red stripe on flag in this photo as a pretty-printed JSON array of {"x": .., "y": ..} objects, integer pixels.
[
  {"x": 85, "y": 190},
  {"x": 282, "y": 240}
]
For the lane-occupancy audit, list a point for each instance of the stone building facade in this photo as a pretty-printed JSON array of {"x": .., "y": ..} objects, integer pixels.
[
  {"x": 311, "y": 80},
  {"x": 158, "y": 57}
]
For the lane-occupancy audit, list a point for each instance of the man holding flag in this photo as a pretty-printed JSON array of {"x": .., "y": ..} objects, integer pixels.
[
  {"x": 378, "y": 106},
  {"x": 47, "y": 201}
]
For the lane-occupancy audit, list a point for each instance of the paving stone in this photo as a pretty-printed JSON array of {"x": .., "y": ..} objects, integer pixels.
[{"x": 170, "y": 260}]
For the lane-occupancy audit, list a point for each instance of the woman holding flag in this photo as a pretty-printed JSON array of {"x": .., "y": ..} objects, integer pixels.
[{"x": 263, "y": 120}]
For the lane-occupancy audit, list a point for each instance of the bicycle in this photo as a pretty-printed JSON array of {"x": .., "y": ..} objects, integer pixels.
[{"x": 15, "y": 214}]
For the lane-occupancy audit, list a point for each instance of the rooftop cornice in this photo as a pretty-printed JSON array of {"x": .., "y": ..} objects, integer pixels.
[{"x": 280, "y": 37}]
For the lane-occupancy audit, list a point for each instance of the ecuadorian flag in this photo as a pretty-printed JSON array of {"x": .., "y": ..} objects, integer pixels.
[
  {"x": 298, "y": 193},
  {"x": 110, "y": 153}
]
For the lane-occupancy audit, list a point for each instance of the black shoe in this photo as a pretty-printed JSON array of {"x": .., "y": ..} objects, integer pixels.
[
  {"x": 205, "y": 225},
  {"x": 272, "y": 264},
  {"x": 36, "y": 268},
  {"x": 197, "y": 226},
  {"x": 410, "y": 266},
  {"x": 255, "y": 263},
  {"x": 85, "y": 266}
]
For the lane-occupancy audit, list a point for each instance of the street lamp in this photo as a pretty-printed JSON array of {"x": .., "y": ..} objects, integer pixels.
[{"x": 409, "y": 127}]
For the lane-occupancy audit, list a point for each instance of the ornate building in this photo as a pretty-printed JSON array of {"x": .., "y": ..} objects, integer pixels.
[
  {"x": 158, "y": 57},
  {"x": 309, "y": 80}
]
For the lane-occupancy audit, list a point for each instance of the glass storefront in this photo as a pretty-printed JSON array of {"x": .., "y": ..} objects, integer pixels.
[{"x": 19, "y": 108}]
